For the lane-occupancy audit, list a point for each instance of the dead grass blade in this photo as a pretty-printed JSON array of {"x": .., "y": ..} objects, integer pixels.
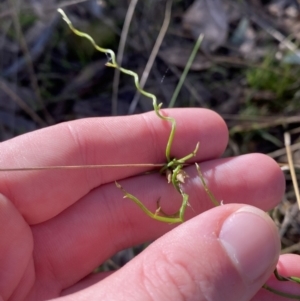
[
  {"x": 287, "y": 142},
  {"x": 153, "y": 54},
  {"x": 124, "y": 34}
]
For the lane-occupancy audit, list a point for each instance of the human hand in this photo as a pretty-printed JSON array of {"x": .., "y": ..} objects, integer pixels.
[{"x": 58, "y": 225}]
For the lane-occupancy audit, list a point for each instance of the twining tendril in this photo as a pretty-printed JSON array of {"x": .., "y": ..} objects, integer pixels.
[
  {"x": 173, "y": 165},
  {"x": 113, "y": 64}
]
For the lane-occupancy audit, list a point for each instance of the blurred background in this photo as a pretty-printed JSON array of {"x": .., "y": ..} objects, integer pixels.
[{"x": 247, "y": 70}]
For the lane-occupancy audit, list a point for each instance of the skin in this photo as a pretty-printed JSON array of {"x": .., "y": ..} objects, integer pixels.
[{"x": 58, "y": 225}]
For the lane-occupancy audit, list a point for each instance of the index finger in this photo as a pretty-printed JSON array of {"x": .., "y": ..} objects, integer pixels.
[{"x": 40, "y": 195}]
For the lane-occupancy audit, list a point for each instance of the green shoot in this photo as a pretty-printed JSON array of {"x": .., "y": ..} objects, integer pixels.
[
  {"x": 186, "y": 70},
  {"x": 171, "y": 219},
  {"x": 209, "y": 193},
  {"x": 113, "y": 64},
  {"x": 173, "y": 165}
]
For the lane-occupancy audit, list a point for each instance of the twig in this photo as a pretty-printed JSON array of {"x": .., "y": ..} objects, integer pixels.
[
  {"x": 22, "y": 104},
  {"x": 124, "y": 34},
  {"x": 260, "y": 21},
  {"x": 273, "y": 121},
  {"x": 274, "y": 33},
  {"x": 285, "y": 166},
  {"x": 291, "y": 249},
  {"x": 287, "y": 142},
  {"x": 282, "y": 151},
  {"x": 153, "y": 54},
  {"x": 30, "y": 8},
  {"x": 68, "y": 3},
  {"x": 35, "y": 51},
  {"x": 32, "y": 76}
]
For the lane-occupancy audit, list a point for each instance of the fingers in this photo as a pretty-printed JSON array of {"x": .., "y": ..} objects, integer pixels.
[
  {"x": 288, "y": 265},
  {"x": 104, "y": 216},
  {"x": 253, "y": 179},
  {"x": 16, "y": 245},
  {"x": 40, "y": 195},
  {"x": 224, "y": 254}
]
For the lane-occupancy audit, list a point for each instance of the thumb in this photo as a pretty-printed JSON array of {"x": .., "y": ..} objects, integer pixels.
[{"x": 226, "y": 253}]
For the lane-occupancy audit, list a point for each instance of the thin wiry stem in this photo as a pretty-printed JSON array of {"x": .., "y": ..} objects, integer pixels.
[
  {"x": 60, "y": 167},
  {"x": 113, "y": 63},
  {"x": 186, "y": 70},
  {"x": 282, "y": 294},
  {"x": 173, "y": 165}
]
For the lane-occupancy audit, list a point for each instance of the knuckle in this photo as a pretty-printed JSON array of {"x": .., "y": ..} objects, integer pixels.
[{"x": 167, "y": 279}]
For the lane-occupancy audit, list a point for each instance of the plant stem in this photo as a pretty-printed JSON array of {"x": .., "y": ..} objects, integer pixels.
[{"x": 186, "y": 70}]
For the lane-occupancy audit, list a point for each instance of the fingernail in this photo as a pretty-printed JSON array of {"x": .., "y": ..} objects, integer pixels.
[{"x": 251, "y": 241}]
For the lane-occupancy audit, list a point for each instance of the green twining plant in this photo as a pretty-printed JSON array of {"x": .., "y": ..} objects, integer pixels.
[{"x": 173, "y": 167}]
